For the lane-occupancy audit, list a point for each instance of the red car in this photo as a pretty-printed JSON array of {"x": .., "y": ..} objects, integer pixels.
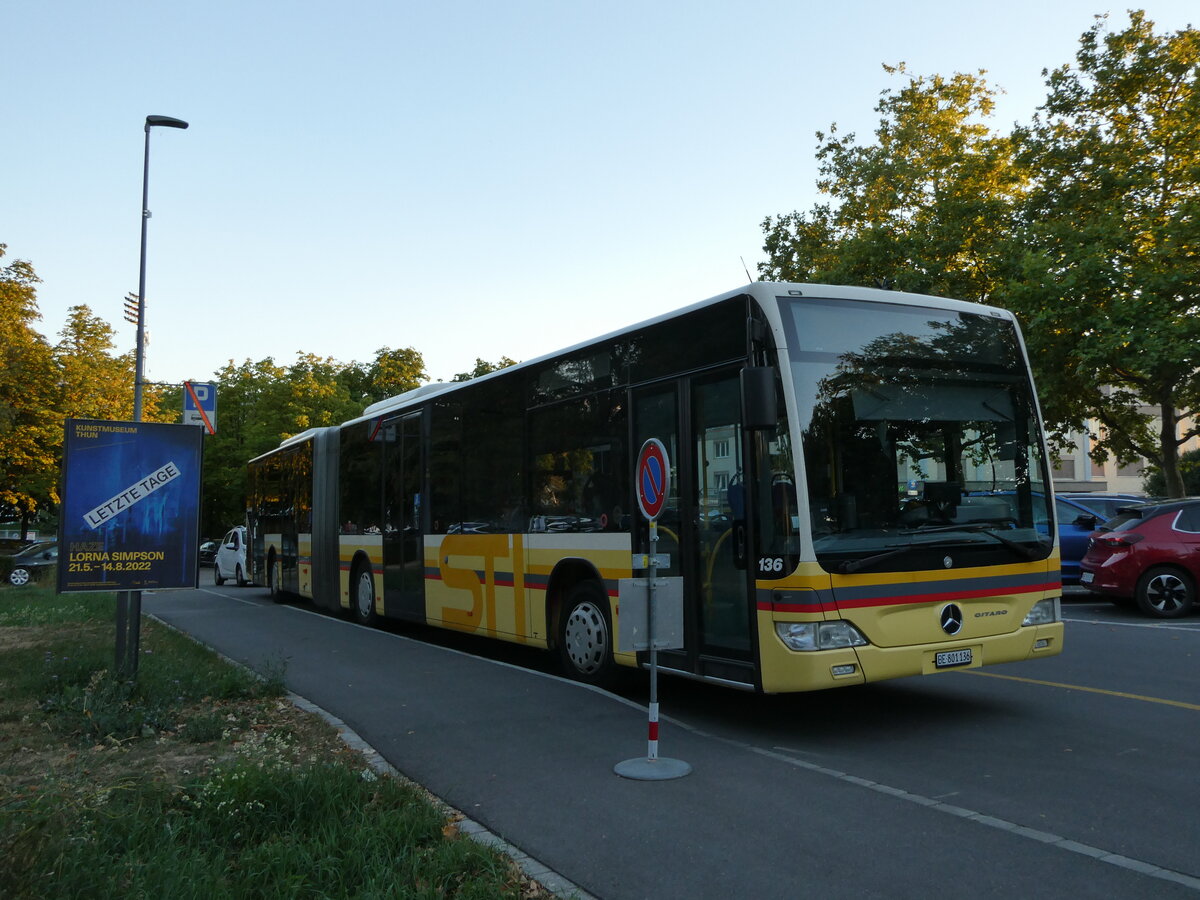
[{"x": 1150, "y": 552}]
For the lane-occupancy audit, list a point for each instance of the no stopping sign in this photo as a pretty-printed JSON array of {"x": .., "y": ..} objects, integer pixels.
[{"x": 653, "y": 478}]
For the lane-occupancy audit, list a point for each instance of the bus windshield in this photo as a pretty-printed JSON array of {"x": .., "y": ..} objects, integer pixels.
[{"x": 920, "y": 436}]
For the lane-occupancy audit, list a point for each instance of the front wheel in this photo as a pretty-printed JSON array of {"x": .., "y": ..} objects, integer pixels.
[
  {"x": 585, "y": 645},
  {"x": 1165, "y": 593},
  {"x": 218, "y": 578},
  {"x": 239, "y": 577},
  {"x": 362, "y": 595}
]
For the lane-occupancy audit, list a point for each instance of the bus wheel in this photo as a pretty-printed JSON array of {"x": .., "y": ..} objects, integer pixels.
[
  {"x": 364, "y": 595},
  {"x": 585, "y": 635}
]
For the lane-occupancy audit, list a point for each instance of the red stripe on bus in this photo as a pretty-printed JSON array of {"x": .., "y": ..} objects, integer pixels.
[{"x": 767, "y": 605}]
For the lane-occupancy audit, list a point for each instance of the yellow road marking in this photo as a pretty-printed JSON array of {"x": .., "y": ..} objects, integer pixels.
[{"x": 1090, "y": 690}]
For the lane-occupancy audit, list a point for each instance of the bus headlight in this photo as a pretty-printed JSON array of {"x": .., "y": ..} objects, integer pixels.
[
  {"x": 1044, "y": 612},
  {"x": 819, "y": 635}
]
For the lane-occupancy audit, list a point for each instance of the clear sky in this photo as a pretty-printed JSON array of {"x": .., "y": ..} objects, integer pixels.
[{"x": 469, "y": 178}]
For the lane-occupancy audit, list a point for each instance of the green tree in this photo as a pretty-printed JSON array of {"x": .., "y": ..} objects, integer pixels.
[
  {"x": 250, "y": 399},
  {"x": 1189, "y": 469},
  {"x": 315, "y": 395},
  {"x": 391, "y": 373},
  {"x": 30, "y": 424},
  {"x": 926, "y": 207},
  {"x": 1109, "y": 286},
  {"x": 260, "y": 404},
  {"x": 483, "y": 367},
  {"x": 94, "y": 384}
]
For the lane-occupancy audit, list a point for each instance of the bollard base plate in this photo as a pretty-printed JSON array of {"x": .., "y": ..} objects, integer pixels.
[{"x": 644, "y": 769}]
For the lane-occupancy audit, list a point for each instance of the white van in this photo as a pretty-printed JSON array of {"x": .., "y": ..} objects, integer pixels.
[{"x": 230, "y": 561}]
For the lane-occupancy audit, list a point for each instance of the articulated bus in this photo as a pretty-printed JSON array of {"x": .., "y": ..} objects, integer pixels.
[{"x": 859, "y": 492}]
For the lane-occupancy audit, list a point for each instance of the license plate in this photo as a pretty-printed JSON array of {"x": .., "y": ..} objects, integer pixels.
[
  {"x": 948, "y": 658},
  {"x": 1086, "y": 577}
]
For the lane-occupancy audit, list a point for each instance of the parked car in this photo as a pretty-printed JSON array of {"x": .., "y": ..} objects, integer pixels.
[
  {"x": 33, "y": 562},
  {"x": 230, "y": 561},
  {"x": 1150, "y": 553},
  {"x": 208, "y": 552},
  {"x": 1076, "y": 524},
  {"x": 1105, "y": 505}
]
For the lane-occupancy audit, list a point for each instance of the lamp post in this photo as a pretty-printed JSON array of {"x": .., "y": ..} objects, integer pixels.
[
  {"x": 129, "y": 603},
  {"x": 139, "y": 351}
]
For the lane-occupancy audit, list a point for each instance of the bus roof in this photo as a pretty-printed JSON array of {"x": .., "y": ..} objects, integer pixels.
[{"x": 761, "y": 290}]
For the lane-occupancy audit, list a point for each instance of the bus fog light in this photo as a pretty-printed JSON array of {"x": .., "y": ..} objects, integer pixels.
[
  {"x": 1041, "y": 644},
  {"x": 819, "y": 635},
  {"x": 1044, "y": 612},
  {"x": 843, "y": 670}
]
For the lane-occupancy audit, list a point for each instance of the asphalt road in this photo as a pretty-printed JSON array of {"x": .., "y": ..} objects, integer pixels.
[{"x": 1069, "y": 777}]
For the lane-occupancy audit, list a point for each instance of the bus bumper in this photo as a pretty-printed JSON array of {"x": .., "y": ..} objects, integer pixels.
[{"x": 785, "y": 670}]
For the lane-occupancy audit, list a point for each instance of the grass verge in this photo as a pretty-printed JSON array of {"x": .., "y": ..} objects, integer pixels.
[{"x": 198, "y": 779}]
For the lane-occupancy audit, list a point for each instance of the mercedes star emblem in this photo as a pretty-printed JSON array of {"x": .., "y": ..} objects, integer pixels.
[{"x": 952, "y": 618}]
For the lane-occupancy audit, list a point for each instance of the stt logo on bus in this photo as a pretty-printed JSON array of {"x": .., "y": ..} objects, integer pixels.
[{"x": 653, "y": 478}]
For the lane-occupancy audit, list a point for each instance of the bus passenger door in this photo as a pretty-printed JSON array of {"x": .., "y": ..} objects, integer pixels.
[
  {"x": 703, "y": 527},
  {"x": 403, "y": 533}
]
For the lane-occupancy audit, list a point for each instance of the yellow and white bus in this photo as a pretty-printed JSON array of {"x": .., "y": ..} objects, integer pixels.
[{"x": 860, "y": 491}]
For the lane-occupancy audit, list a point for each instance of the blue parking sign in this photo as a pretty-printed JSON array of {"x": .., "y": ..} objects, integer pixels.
[{"x": 200, "y": 405}]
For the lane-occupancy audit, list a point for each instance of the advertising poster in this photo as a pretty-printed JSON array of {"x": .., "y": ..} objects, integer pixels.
[{"x": 130, "y": 516}]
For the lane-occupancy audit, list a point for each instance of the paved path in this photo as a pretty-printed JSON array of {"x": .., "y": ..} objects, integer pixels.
[{"x": 531, "y": 757}]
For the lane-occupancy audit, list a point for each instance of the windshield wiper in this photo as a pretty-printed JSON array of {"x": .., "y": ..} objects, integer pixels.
[
  {"x": 850, "y": 566},
  {"x": 980, "y": 527}
]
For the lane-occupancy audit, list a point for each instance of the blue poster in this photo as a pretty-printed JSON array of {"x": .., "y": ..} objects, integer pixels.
[{"x": 130, "y": 516}]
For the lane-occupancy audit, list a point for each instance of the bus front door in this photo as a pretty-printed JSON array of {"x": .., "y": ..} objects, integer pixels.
[
  {"x": 703, "y": 527},
  {"x": 403, "y": 533}
]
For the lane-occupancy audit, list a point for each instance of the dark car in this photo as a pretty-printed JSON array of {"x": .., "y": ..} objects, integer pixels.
[
  {"x": 1076, "y": 522},
  {"x": 32, "y": 562},
  {"x": 208, "y": 552},
  {"x": 1151, "y": 553},
  {"x": 1105, "y": 505}
]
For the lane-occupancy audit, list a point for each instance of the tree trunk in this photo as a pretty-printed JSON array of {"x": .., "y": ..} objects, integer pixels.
[{"x": 1169, "y": 448}]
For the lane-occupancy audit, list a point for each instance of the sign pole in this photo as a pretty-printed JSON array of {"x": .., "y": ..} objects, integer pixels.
[
  {"x": 652, "y": 573},
  {"x": 653, "y": 480}
]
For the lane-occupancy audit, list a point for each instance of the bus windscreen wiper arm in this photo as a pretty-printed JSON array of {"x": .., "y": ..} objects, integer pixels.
[
  {"x": 978, "y": 528},
  {"x": 850, "y": 566}
]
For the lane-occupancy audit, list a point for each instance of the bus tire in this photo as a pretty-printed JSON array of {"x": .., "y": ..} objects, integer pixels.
[
  {"x": 362, "y": 595},
  {"x": 273, "y": 580},
  {"x": 585, "y": 638}
]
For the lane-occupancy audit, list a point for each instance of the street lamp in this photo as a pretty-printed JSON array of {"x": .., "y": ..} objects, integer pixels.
[
  {"x": 139, "y": 353},
  {"x": 129, "y": 603}
]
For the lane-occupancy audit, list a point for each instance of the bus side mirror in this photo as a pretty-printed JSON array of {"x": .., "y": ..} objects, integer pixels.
[{"x": 759, "y": 404}]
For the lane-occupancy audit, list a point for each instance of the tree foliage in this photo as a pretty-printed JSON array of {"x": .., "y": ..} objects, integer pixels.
[
  {"x": 924, "y": 208},
  {"x": 1110, "y": 282},
  {"x": 1086, "y": 223},
  {"x": 30, "y": 423},
  {"x": 262, "y": 403},
  {"x": 483, "y": 367}
]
